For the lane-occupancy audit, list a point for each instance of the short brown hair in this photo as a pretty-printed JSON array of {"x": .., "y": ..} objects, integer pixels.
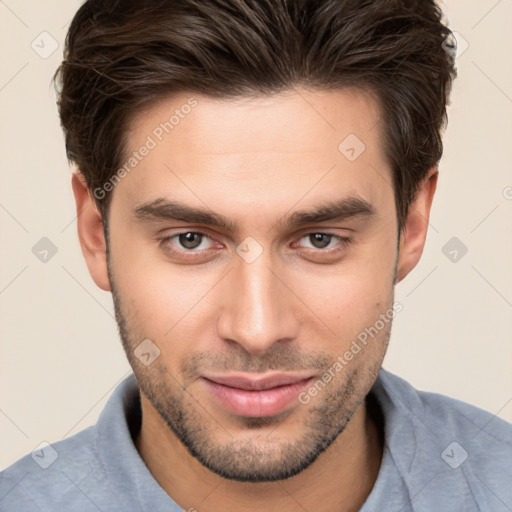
[{"x": 121, "y": 55}]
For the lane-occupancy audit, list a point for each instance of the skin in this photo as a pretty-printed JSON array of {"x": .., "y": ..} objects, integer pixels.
[{"x": 256, "y": 161}]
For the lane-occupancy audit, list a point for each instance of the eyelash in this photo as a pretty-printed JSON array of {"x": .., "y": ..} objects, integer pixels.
[{"x": 167, "y": 246}]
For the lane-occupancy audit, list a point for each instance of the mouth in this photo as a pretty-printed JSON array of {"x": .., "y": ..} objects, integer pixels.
[{"x": 256, "y": 396}]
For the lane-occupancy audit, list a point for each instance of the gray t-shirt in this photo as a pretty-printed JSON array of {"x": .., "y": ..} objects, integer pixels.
[{"x": 440, "y": 454}]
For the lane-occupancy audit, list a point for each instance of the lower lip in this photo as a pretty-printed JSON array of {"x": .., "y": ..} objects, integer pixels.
[{"x": 255, "y": 404}]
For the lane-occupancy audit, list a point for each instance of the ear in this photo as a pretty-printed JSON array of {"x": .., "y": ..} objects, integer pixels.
[
  {"x": 90, "y": 232},
  {"x": 412, "y": 240}
]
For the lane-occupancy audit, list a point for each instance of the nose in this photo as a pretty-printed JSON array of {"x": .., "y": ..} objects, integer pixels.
[{"x": 258, "y": 307}]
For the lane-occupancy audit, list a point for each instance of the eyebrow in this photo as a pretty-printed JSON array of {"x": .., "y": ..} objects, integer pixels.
[{"x": 167, "y": 209}]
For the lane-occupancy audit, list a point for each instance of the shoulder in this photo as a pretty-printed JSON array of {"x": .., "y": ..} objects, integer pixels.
[
  {"x": 445, "y": 446},
  {"x": 49, "y": 473},
  {"x": 74, "y": 473},
  {"x": 440, "y": 412},
  {"x": 96, "y": 469}
]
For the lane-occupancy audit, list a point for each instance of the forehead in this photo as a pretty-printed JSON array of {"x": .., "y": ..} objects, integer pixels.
[
  {"x": 250, "y": 124},
  {"x": 253, "y": 149}
]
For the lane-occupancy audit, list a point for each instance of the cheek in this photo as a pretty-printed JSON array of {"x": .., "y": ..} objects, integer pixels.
[
  {"x": 151, "y": 296},
  {"x": 349, "y": 296},
  {"x": 161, "y": 300}
]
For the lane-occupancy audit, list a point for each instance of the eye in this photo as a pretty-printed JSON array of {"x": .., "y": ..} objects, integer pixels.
[
  {"x": 187, "y": 241},
  {"x": 319, "y": 240},
  {"x": 195, "y": 243},
  {"x": 322, "y": 242}
]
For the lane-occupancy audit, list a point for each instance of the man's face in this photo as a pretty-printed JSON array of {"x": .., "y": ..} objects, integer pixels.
[{"x": 261, "y": 296}]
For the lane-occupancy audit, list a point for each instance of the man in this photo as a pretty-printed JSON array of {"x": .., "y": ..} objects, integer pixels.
[{"x": 254, "y": 177}]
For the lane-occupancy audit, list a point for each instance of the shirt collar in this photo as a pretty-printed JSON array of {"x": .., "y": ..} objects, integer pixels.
[{"x": 116, "y": 429}]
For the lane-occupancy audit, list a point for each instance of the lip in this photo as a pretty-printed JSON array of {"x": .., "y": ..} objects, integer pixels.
[{"x": 256, "y": 396}]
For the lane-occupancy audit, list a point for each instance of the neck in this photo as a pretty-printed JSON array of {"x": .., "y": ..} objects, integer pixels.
[{"x": 341, "y": 478}]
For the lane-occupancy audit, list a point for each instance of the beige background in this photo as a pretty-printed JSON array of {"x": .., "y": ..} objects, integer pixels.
[{"x": 60, "y": 353}]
